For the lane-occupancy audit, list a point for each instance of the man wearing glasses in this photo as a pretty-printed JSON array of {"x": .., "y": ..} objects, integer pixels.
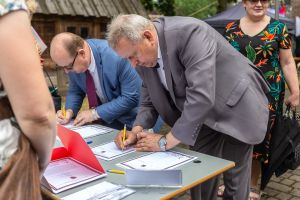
[{"x": 112, "y": 86}]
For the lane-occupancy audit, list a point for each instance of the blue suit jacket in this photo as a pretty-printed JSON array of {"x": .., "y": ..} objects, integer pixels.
[{"x": 119, "y": 82}]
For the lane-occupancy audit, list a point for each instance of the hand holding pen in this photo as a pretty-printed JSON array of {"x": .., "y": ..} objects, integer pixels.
[{"x": 125, "y": 138}]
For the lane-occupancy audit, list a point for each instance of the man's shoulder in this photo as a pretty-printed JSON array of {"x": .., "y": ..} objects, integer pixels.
[
  {"x": 95, "y": 41},
  {"x": 178, "y": 22}
]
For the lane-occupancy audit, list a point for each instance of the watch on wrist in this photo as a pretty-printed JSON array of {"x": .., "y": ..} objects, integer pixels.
[{"x": 162, "y": 143}]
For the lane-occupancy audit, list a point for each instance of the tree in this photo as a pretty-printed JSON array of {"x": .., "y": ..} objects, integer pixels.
[
  {"x": 164, "y": 7},
  {"x": 195, "y": 8}
]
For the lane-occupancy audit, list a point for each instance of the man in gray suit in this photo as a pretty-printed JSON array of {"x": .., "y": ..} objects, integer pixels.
[{"x": 213, "y": 97}]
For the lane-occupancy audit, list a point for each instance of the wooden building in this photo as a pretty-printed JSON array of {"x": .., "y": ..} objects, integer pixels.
[{"x": 87, "y": 18}]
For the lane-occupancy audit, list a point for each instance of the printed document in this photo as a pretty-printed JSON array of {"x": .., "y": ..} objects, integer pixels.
[
  {"x": 101, "y": 191},
  {"x": 91, "y": 130},
  {"x": 158, "y": 161},
  {"x": 110, "y": 151},
  {"x": 66, "y": 173}
]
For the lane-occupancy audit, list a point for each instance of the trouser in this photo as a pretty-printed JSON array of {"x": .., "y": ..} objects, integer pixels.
[{"x": 236, "y": 180}]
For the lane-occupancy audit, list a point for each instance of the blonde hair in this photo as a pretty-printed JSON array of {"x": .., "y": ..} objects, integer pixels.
[{"x": 32, "y": 6}]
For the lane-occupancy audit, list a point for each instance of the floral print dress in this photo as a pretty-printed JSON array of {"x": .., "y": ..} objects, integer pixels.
[{"x": 263, "y": 50}]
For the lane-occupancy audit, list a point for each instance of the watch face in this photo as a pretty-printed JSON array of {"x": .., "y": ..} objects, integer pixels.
[{"x": 162, "y": 143}]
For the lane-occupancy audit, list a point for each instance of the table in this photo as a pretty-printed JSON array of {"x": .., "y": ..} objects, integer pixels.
[{"x": 193, "y": 174}]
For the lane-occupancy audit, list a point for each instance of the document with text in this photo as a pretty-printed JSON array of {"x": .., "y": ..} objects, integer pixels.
[
  {"x": 110, "y": 151},
  {"x": 101, "y": 191},
  {"x": 91, "y": 130},
  {"x": 158, "y": 161},
  {"x": 66, "y": 173}
]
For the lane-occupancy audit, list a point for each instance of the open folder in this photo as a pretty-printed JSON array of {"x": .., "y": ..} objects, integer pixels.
[{"x": 71, "y": 165}]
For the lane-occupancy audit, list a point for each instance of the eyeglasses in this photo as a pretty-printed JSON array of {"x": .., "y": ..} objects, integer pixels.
[
  {"x": 70, "y": 66},
  {"x": 261, "y": 1}
]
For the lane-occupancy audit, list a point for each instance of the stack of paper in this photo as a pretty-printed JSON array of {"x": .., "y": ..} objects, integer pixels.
[
  {"x": 101, "y": 191},
  {"x": 66, "y": 173}
]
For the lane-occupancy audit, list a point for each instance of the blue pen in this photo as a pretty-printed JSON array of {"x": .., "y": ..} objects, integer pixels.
[{"x": 89, "y": 142}]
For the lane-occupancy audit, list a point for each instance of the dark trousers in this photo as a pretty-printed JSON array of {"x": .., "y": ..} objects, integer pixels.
[{"x": 236, "y": 180}]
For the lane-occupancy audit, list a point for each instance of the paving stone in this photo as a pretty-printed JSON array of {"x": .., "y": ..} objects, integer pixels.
[
  {"x": 295, "y": 198},
  {"x": 270, "y": 192},
  {"x": 295, "y": 177},
  {"x": 283, "y": 196},
  {"x": 295, "y": 192},
  {"x": 287, "y": 182},
  {"x": 277, "y": 179},
  {"x": 272, "y": 198},
  {"x": 279, "y": 187},
  {"x": 297, "y": 172},
  {"x": 286, "y": 175},
  {"x": 297, "y": 185}
]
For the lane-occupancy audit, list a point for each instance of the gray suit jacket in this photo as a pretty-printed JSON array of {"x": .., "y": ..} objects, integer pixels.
[{"x": 209, "y": 83}]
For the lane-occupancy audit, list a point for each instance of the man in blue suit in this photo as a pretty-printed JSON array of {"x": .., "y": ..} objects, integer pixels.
[{"x": 115, "y": 84}]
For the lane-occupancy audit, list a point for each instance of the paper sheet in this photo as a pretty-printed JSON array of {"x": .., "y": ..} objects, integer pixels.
[
  {"x": 91, "y": 130},
  {"x": 110, "y": 151},
  {"x": 69, "y": 125},
  {"x": 66, "y": 172},
  {"x": 158, "y": 161},
  {"x": 101, "y": 191}
]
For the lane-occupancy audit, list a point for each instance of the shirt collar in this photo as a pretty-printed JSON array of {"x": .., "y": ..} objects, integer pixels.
[
  {"x": 158, "y": 50},
  {"x": 92, "y": 65}
]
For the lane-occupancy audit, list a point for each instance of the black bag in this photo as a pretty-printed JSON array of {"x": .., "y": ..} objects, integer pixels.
[
  {"x": 291, "y": 153},
  {"x": 284, "y": 147}
]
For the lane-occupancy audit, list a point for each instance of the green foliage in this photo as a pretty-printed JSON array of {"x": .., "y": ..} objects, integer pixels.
[
  {"x": 188, "y": 7},
  {"x": 148, "y": 4},
  {"x": 164, "y": 7}
]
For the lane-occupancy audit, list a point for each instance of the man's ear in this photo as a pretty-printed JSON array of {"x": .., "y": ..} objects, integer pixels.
[
  {"x": 82, "y": 52},
  {"x": 148, "y": 35}
]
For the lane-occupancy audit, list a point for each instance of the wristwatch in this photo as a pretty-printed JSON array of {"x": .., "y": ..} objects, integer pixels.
[{"x": 162, "y": 143}]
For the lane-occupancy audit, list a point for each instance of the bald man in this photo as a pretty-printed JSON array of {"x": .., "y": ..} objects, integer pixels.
[{"x": 112, "y": 86}]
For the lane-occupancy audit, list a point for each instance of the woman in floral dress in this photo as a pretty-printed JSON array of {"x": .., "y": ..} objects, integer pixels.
[{"x": 266, "y": 42}]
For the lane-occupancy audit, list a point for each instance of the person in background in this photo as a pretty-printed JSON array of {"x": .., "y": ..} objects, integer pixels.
[
  {"x": 265, "y": 42},
  {"x": 94, "y": 69},
  {"x": 27, "y": 117},
  {"x": 186, "y": 68}
]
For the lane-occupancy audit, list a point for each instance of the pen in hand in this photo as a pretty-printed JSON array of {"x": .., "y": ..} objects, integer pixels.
[
  {"x": 124, "y": 136},
  {"x": 63, "y": 110}
]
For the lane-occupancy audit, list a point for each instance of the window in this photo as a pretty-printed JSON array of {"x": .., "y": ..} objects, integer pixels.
[
  {"x": 84, "y": 32},
  {"x": 71, "y": 29}
]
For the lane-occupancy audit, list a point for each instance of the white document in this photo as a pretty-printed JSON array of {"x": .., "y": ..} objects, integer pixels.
[
  {"x": 66, "y": 173},
  {"x": 101, "y": 191},
  {"x": 158, "y": 161},
  {"x": 110, "y": 151},
  {"x": 69, "y": 125},
  {"x": 91, "y": 130}
]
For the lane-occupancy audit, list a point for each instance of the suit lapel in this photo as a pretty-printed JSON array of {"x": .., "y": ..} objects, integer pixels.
[{"x": 162, "y": 43}]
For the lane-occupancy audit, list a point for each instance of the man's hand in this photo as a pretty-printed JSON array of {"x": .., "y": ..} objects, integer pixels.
[
  {"x": 84, "y": 117},
  {"x": 148, "y": 141},
  {"x": 62, "y": 118},
  {"x": 129, "y": 140}
]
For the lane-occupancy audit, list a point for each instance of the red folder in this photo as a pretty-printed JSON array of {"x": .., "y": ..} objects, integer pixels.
[{"x": 76, "y": 148}]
